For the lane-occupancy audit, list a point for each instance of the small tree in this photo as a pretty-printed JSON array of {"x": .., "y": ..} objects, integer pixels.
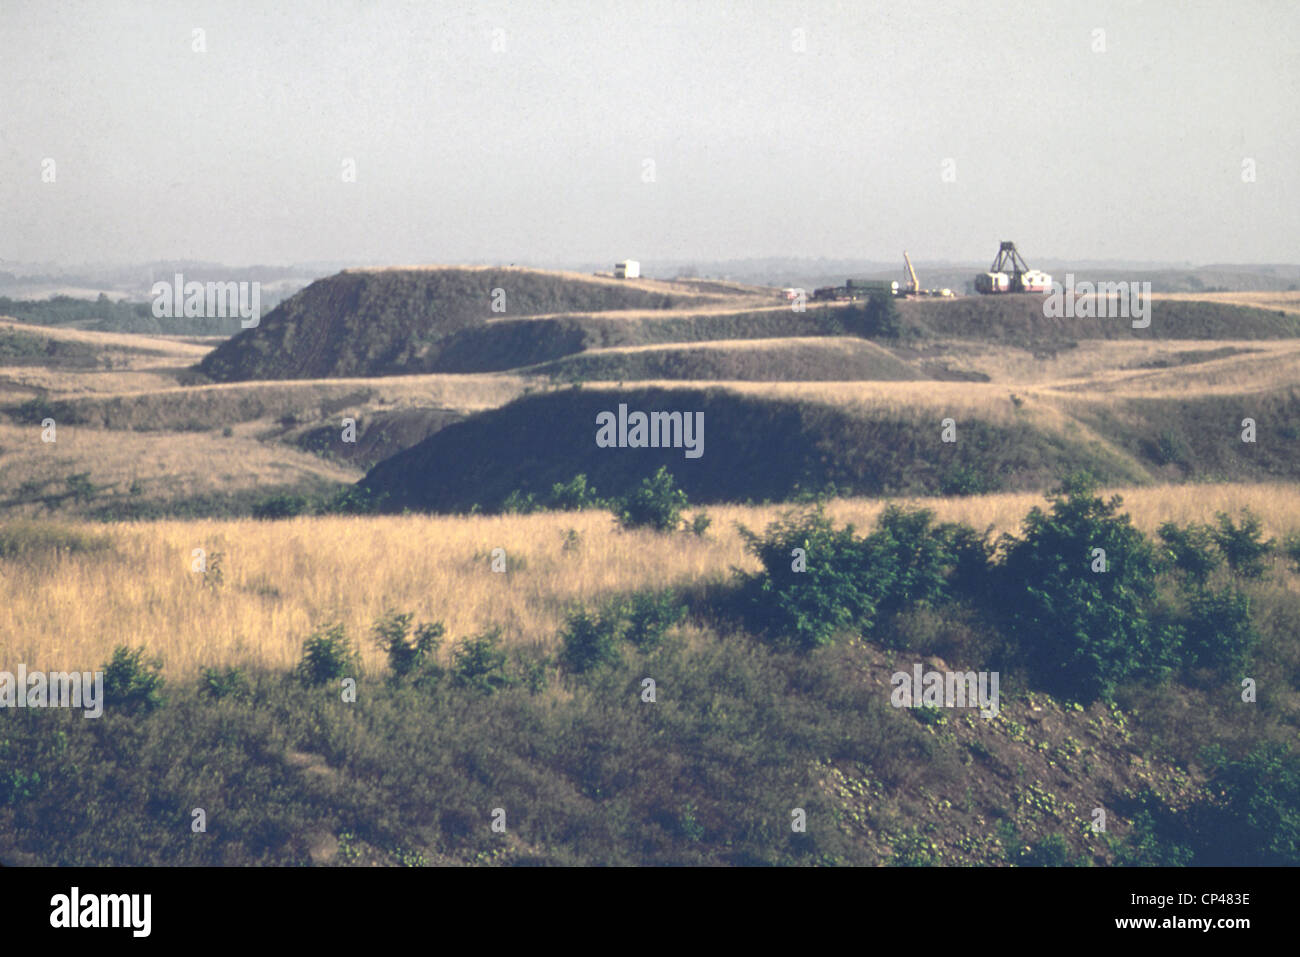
[
  {"x": 650, "y": 614},
  {"x": 407, "y": 656},
  {"x": 1292, "y": 549},
  {"x": 1220, "y": 632},
  {"x": 479, "y": 663},
  {"x": 132, "y": 683},
  {"x": 574, "y": 495},
  {"x": 219, "y": 683},
  {"x": 591, "y": 640},
  {"x": 656, "y": 504},
  {"x": 1243, "y": 545},
  {"x": 1191, "y": 549},
  {"x": 816, "y": 580},
  {"x": 883, "y": 320},
  {"x": 1084, "y": 629},
  {"x": 327, "y": 655}
]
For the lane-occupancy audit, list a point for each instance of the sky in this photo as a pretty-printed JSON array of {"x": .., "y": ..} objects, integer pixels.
[{"x": 582, "y": 132}]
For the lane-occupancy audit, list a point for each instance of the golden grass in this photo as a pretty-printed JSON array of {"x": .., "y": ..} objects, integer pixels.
[
  {"x": 1266, "y": 366},
  {"x": 1286, "y": 301},
  {"x": 283, "y": 579},
  {"x": 845, "y": 345},
  {"x": 170, "y": 467},
  {"x": 469, "y": 391},
  {"x": 131, "y": 342},
  {"x": 1096, "y": 362},
  {"x": 71, "y": 382},
  {"x": 987, "y": 400}
]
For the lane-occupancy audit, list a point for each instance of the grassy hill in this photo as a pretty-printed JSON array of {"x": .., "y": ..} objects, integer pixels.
[
  {"x": 514, "y": 344},
  {"x": 390, "y": 321},
  {"x": 504, "y": 344},
  {"x": 1019, "y": 319},
  {"x": 775, "y": 443},
  {"x": 789, "y": 360},
  {"x": 759, "y": 445},
  {"x": 441, "y": 319}
]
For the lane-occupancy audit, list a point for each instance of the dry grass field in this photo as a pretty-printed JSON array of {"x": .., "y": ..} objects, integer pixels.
[
  {"x": 279, "y": 580},
  {"x": 1286, "y": 301},
  {"x": 183, "y": 466}
]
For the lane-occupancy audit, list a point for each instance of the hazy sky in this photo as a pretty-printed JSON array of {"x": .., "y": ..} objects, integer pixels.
[{"x": 537, "y": 152}]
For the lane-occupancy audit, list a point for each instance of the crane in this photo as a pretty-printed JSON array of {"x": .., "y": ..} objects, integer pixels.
[{"x": 913, "y": 284}]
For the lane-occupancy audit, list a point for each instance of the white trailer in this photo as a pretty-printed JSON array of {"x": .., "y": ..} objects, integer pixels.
[{"x": 627, "y": 269}]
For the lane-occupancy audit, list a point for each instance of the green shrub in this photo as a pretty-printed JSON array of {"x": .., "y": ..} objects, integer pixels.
[
  {"x": 911, "y": 849},
  {"x": 284, "y": 505},
  {"x": 409, "y": 655},
  {"x": 883, "y": 317},
  {"x": 1242, "y": 545},
  {"x": 1191, "y": 549},
  {"x": 843, "y": 582},
  {"x": 327, "y": 655},
  {"x": 1249, "y": 816},
  {"x": 37, "y": 410},
  {"x": 1051, "y": 851},
  {"x": 480, "y": 664},
  {"x": 131, "y": 683},
  {"x": 80, "y": 487},
  {"x": 574, "y": 495},
  {"x": 519, "y": 503},
  {"x": 353, "y": 500},
  {"x": 967, "y": 480},
  {"x": 533, "y": 668},
  {"x": 971, "y": 554},
  {"x": 650, "y": 614},
  {"x": 656, "y": 504},
  {"x": 1291, "y": 548},
  {"x": 1172, "y": 449},
  {"x": 920, "y": 555},
  {"x": 699, "y": 524},
  {"x": 1158, "y": 838},
  {"x": 877, "y": 318},
  {"x": 18, "y": 785},
  {"x": 849, "y": 581},
  {"x": 1256, "y": 819},
  {"x": 221, "y": 683},
  {"x": 591, "y": 640},
  {"x": 1083, "y": 632},
  {"x": 1219, "y": 633}
]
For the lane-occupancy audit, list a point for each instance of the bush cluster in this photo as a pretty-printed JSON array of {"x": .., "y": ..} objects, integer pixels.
[
  {"x": 1082, "y": 597},
  {"x": 593, "y": 638},
  {"x": 818, "y": 580}
]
